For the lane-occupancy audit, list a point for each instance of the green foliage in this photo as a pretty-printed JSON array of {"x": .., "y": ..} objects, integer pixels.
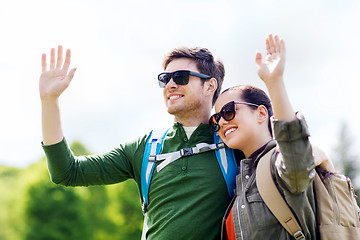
[
  {"x": 9, "y": 203},
  {"x": 344, "y": 153},
  {"x": 55, "y": 213},
  {"x": 347, "y": 161},
  {"x": 32, "y": 207},
  {"x": 125, "y": 208}
]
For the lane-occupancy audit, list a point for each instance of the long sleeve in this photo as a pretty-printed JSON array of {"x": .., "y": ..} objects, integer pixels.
[
  {"x": 117, "y": 165},
  {"x": 295, "y": 164}
]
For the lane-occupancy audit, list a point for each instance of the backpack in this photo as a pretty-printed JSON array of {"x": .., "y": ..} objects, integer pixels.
[
  {"x": 225, "y": 157},
  {"x": 338, "y": 215}
]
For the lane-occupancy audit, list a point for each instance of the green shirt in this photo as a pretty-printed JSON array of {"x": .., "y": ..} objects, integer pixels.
[{"x": 187, "y": 199}]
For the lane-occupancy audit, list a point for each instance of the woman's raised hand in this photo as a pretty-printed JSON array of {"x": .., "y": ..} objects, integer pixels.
[{"x": 272, "y": 68}]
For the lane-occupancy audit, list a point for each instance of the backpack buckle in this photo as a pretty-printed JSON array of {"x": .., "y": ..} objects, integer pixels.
[
  {"x": 152, "y": 158},
  {"x": 144, "y": 207},
  {"x": 186, "y": 152},
  {"x": 220, "y": 145},
  {"x": 299, "y": 235}
]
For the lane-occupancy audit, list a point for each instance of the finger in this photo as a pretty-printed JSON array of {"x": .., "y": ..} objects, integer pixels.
[
  {"x": 267, "y": 46},
  {"x": 258, "y": 58},
  {"x": 43, "y": 62},
  {"x": 52, "y": 58},
  {"x": 282, "y": 47},
  {"x": 67, "y": 60},
  {"x": 277, "y": 43},
  {"x": 59, "y": 61},
  {"x": 70, "y": 76},
  {"x": 271, "y": 44}
]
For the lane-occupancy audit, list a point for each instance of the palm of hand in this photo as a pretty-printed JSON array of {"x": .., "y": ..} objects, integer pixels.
[
  {"x": 53, "y": 83},
  {"x": 272, "y": 67}
]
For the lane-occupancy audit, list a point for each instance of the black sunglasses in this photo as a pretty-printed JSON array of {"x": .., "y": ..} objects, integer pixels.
[
  {"x": 180, "y": 77},
  {"x": 227, "y": 112}
]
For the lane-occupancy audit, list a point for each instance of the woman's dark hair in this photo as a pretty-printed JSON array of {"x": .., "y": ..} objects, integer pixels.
[
  {"x": 254, "y": 95},
  {"x": 205, "y": 62}
]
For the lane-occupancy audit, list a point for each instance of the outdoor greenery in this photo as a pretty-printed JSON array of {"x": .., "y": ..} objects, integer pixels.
[
  {"x": 346, "y": 160},
  {"x": 34, "y": 208}
]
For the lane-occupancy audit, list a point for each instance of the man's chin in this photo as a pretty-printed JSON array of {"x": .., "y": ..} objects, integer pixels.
[
  {"x": 174, "y": 111},
  {"x": 171, "y": 111}
]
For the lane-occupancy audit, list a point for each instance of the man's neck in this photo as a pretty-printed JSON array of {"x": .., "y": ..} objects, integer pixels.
[
  {"x": 192, "y": 122},
  {"x": 193, "y": 118}
]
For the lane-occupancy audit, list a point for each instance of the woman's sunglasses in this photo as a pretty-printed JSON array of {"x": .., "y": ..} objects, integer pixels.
[
  {"x": 180, "y": 77},
  {"x": 227, "y": 112}
]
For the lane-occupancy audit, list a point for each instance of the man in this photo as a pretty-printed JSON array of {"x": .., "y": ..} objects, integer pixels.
[{"x": 187, "y": 198}]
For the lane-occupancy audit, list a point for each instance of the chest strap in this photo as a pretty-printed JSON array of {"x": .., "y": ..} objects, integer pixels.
[
  {"x": 168, "y": 158},
  {"x": 154, "y": 144}
]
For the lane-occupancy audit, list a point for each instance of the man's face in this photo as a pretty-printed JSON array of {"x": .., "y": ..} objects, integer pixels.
[{"x": 184, "y": 101}]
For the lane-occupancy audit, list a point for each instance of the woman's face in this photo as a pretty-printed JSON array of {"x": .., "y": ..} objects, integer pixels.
[{"x": 241, "y": 131}]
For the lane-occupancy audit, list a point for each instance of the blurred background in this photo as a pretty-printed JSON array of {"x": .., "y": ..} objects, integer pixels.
[{"x": 117, "y": 47}]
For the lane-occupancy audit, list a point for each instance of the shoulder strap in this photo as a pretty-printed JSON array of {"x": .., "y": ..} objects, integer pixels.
[
  {"x": 226, "y": 159},
  {"x": 153, "y": 147},
  {"x": 273, "y": 199}
]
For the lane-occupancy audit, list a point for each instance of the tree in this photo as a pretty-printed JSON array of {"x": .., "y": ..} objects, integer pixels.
[
  {"x": 345, "y": 158},
  {"x": 55, "y": 213},
  {"x": 128, "y": 208},
  {"x": 114, "y": 210},
  {"x": 10, "y": 203},
  {"x": 32, "y": 207}
]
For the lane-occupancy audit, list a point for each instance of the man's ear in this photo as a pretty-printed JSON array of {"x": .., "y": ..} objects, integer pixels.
[
  {"x": 210, "y": 86},
  {"x": 262, "y": 114}
]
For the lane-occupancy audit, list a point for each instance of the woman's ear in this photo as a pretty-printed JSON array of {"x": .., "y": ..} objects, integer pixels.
[
  {"x": 262, "y": 115},
  {"x": 210, "y": 86}
]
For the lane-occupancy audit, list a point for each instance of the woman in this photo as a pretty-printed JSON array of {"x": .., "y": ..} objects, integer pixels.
[{"x": 242, "y": 120}]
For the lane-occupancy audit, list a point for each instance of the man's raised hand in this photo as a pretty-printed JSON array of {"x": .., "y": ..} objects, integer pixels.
[{"x": 56, "y": 79}]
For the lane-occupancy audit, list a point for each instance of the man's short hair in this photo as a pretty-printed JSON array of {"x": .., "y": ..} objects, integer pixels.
[{"x": 205, "y": 62}]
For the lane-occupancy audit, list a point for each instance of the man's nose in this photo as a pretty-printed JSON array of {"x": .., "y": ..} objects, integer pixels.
[{"x": 171, "y": 83}]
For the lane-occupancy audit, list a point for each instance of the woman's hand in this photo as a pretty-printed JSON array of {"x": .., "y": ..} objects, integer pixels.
[{"x": 272, "y": 68}]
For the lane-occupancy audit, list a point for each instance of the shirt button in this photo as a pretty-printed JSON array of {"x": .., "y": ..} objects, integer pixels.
[
  {"x": 247, "y": 177},
  {"x": 243, "y": 206},
  {"x": 183, "y": 168}
]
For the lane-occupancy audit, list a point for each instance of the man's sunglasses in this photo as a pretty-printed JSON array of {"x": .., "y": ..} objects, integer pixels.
[
  {"x": 227, "y": 112},
  {"x": 180, "y": 77}
]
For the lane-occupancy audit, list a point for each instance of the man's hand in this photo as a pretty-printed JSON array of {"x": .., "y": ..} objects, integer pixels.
[
  {"x": 53, "y": 82},
  {"x": 272, "y": 68},
  {"x": 56, "y": 79}
]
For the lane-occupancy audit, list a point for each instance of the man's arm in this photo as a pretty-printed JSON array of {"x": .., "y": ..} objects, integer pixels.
[{"x": 52, "y": 84}]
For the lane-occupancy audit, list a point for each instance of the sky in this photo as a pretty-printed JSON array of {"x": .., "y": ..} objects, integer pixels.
[{"x": 118, "y": 47}]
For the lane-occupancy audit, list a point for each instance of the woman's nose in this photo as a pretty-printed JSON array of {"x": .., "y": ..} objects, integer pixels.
[{"x": 222, "y": 122}]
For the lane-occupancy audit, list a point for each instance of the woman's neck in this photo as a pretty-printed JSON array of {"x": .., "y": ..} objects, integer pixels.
[{"x": 256, "y": 146}]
